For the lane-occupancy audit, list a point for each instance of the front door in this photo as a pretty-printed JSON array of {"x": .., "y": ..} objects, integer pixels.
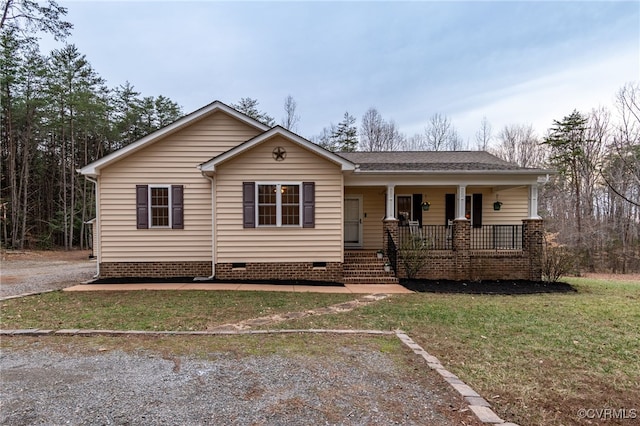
[{"x": 353, "y": 222}]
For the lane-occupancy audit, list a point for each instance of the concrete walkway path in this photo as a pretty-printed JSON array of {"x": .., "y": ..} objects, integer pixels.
[{"x": 348, "y": 288}]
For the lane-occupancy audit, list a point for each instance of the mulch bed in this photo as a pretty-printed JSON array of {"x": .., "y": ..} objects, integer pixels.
[
  {"x": 192, "y": 280},
  {"x": 487, "y": 287}
]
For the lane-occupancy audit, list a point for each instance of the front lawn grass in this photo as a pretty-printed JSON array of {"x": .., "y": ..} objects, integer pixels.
[
  {"x": 538, "y": 359},
  {"x": 153, "y": 310}
]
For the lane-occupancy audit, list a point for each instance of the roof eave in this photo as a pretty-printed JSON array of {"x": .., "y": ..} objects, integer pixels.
[
  {"x": 536, "y": 172},
  {"x": 93, "y": 169},
  {"x": 210, "y": 166}
]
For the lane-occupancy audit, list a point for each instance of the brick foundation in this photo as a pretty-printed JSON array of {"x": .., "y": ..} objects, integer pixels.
[
  {"x": 154, "y": 269},
  {"x": 280, "y": 271},
  {"x": 332, "y": 272}
]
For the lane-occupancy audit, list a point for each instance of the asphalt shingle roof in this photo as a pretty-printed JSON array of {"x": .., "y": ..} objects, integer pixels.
[{"x": 428, "y": 161}]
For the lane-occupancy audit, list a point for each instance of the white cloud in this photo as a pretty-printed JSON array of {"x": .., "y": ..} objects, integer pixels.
[{"x": 584, "y": 86}]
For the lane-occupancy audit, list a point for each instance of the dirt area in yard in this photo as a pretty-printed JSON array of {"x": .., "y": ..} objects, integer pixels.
[{"x": 45, "y": 255}]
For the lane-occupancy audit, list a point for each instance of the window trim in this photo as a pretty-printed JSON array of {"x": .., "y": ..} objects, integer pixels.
[
  {"x": 278, "y": 186},
  {"x": 152, "y": 186}
]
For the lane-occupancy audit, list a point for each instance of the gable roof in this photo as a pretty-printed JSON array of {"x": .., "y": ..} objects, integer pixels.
[
  {"x": 210, "y": 166},
  {"x": 93, "y": 169},
  {"x": 434, "y": 161}
]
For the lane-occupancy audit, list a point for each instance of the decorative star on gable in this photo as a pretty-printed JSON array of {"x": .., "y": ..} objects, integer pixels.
[{"x": 279, "y": 153}]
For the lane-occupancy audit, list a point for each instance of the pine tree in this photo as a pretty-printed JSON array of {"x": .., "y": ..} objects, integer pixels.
[
  {"x": 566, "y": 141},
  {"x": 249, "y": 107},
  {"x": 345, "y": 135}
]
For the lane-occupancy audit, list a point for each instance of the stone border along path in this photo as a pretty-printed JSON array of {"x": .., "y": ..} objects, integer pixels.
[{"x": 480, "y": 407}]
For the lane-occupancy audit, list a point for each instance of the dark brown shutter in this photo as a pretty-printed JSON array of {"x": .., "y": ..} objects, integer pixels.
[
  {"x": 177, "y": 207},
  {"x": 449, "y": 208},
  {"x": 248, "y": 204},
  {"x": 477, "y": 211},
  {"x": 308, "y": 204},
  {"x": 142, "y": 206},
  {"x": 417, "y": 208}
]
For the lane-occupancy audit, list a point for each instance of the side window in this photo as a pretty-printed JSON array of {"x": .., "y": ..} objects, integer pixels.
[
  {"x": 159, "y": 206},
  {"x": 159, "y": 203}
]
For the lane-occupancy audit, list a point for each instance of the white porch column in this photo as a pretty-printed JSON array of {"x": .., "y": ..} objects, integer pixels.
[
  {"x": 461, "y": 202},
  {"x": 391, "y": 195},
  {"x": 533, "y": 202}
]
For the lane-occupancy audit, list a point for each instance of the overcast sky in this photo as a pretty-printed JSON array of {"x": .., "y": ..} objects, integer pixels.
[{"x": 513, "y": 62}]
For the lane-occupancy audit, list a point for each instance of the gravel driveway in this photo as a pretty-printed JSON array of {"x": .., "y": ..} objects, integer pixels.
[
  {"x": 353, "y": 386},
  {"x": 30, "y": 273}
]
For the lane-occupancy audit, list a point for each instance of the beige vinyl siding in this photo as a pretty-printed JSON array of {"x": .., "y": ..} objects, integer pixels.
[
  {"x": 514, "y": 203},
  {"x": 171, "y": 161},
  {"x": 515, "y": 207},
  {"x": 436, "y": 213},
  {"x": 278, "y": 244}
]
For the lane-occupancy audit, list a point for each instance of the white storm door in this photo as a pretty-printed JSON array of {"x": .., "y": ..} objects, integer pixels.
[{"x": 353, "y": 222}]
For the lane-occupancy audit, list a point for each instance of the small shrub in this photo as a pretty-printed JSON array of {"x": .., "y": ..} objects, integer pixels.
[
  {"x": 413, "y": 256},
  {"x": 557, "y": 260}
]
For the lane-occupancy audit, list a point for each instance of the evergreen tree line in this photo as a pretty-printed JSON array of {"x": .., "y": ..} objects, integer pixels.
[{"x": 59, "y": 115}]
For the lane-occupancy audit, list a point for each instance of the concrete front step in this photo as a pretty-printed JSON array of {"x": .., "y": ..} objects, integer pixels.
[
  {"x": 370, "y": 280},
  {"x": 360, "y": 268},
  {"x": 368, "y": 273}
]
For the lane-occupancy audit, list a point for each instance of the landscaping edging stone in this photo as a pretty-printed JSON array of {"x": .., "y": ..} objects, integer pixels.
[{"x": 478, "y": 405}]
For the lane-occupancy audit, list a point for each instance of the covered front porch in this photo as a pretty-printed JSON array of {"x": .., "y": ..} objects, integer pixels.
[{"x": 470, "y": 231}]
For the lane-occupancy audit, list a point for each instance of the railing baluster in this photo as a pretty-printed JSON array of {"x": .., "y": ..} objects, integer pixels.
[{"x": 488, "y": 237}]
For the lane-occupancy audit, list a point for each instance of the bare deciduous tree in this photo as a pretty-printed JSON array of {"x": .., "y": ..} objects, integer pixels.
[
  {"x": 377, "y": 134},
  {"x": 483, "y": 135},
  {"x": 518, "y": 144},
  {"x": 291, "y": 118},
  {"x": 625, "y": 146},
  {"x": 441, "y": 135},
  {"x": 417, "y": 142}
]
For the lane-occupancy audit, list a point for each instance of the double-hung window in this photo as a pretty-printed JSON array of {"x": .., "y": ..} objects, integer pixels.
[
  {"x": 278, "y": 204},
  {"x": 159, "y": 206}
]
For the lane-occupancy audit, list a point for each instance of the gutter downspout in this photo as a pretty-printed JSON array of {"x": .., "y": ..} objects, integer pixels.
[
  {"x": 213, "y": 229},
  {"x": 96, "y": 236}
]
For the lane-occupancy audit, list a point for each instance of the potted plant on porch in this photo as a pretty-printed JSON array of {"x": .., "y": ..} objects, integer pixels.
[{"x": 380, "y": 254}]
